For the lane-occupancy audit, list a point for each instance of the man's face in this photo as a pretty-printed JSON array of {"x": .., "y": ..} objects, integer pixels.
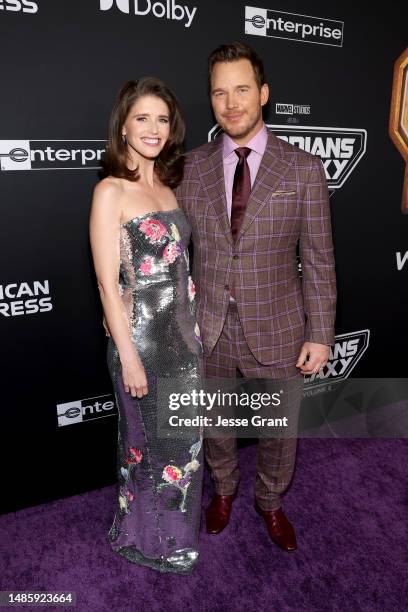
[{"x": 237, "y": 100}]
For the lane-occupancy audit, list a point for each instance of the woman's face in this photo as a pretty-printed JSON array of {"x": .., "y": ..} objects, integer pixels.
[{"x": 147, "y": 126}]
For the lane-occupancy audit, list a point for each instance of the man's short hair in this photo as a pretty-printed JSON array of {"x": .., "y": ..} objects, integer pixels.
[{"x": 232, "y": 53}]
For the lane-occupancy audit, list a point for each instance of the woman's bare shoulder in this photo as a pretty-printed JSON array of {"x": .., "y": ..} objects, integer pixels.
[
  {"x": 109, "y": 187},
  {"x": 107, "y": 197}
]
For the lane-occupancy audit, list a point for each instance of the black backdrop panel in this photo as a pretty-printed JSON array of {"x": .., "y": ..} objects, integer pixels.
[{"x": 63, "y": 63}]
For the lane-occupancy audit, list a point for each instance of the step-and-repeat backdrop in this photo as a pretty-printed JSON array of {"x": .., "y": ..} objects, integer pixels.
[{"x": 331, "y": 75}]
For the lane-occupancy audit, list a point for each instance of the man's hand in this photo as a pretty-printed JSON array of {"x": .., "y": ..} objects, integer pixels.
[{"x": 313, "y": 357}]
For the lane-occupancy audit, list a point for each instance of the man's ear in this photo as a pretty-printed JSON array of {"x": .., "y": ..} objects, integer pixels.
[{"x": 264, "y": 94}]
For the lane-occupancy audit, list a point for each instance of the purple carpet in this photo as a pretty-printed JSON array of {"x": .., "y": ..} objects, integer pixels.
[{"x": 348, "y": 502}]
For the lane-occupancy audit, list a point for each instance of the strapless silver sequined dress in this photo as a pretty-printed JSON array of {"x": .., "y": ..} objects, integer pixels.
[{"x": 160, "y": 478}]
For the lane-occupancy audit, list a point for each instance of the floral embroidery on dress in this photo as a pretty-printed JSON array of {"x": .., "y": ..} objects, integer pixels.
[
  {"x": 181, "y": 477},
  {"x": 146, "y": 266},
  {"x": 191, "y": 289},
  {"x": 152, "y": 229},
  {"x": 171, "y": 251},
  {"x": 175, "y": 247},
  {"x": 175, "y": 233},
  {"x": 172, "y": 473},
  {"x": 135, "y": 455},
  {"x": 125, "y": 495}
]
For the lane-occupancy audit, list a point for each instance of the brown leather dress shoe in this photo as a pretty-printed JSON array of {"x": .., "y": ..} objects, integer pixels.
[
  {"x": 218, "y": 513},
  {"x": 280, "y": 529}
]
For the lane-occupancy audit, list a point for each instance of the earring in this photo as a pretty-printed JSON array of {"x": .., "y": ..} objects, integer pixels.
[{"x": 124, "y": 138}]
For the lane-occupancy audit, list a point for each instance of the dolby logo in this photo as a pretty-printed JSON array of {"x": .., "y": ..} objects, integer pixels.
[
  {"x": 340, "y": 149},
  {"x": 168, "y": 9},
  {"x": 87, "y": 409},
  {"x": 50, "y": 154}
]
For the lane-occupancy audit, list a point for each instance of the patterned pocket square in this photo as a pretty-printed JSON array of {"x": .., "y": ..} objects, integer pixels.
[{"x": 283, "y": 192}]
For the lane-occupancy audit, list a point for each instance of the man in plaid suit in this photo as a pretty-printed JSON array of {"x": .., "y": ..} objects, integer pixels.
[{"x": 257, "y": 318}]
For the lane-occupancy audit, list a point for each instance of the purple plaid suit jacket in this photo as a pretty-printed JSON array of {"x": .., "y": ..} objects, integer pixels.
[{"x": 288, "y": 203}]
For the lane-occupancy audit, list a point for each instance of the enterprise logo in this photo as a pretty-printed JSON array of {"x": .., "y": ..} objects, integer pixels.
[
  {"x": 50, "y": 154},
  {"x": 292, "y": 26},
  {"x": 85, "y": 410}
]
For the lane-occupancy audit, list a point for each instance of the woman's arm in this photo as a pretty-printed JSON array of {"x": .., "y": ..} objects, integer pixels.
[{"x": 105, "y": 244}]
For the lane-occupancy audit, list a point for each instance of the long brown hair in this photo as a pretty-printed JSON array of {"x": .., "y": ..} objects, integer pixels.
[{"x": 170, "y": 163}]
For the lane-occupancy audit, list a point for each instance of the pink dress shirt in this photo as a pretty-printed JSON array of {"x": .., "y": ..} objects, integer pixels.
[{"x": 230, "y": 160}]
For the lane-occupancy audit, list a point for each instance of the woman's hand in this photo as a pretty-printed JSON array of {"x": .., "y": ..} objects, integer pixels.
[{"x": 134, "y": 377}]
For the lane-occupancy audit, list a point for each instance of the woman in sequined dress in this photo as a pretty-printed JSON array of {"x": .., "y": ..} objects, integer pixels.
[{"x": 139, "y": 239}]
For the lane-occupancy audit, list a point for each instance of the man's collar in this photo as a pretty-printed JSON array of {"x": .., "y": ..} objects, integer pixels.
[{"x": 257, "y": 143}]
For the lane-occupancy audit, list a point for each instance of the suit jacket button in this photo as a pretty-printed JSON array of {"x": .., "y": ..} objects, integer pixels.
[
  {"x": 226, "y": 287},
  {"x": 235, "y": 257}
]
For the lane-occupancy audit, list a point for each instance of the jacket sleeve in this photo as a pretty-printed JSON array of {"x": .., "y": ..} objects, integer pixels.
[
  {"x": 317, "y": 258},
  {"x": 184, "y": 192}
]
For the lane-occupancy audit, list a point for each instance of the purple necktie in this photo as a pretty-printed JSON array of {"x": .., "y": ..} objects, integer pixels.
[{"x": 241, "y": 190}]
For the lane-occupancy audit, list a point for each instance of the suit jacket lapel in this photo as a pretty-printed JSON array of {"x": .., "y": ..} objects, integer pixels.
[
  {"x": 274, "y": 165},
  {"x": 211, "y": 170}
]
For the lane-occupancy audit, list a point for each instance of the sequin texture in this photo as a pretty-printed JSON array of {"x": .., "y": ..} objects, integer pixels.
[{"x": 157, "y": 519}]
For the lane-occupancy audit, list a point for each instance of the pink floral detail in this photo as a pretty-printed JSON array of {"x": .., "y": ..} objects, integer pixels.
[
  {"x": 146, "y": 266},
  {"x": 191, "y": 289},
  {"x": 172, "y": 473},
  {"x": 181, "y": 478},
  {"x": 171, "y": 252},
  {"x": 130, "y": 495},
  {"x": 152, "y": 229},
  {"x": 135, "y": 455}
]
